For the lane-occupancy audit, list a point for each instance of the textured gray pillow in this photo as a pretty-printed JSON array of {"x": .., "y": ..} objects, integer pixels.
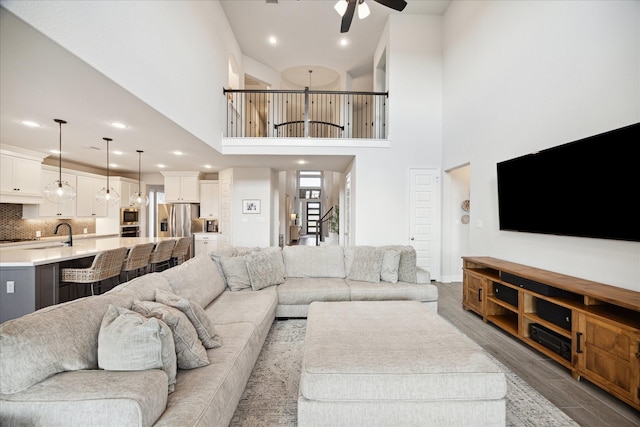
[
  {"x": 128, "y": 341},
  {"x": 190, "y": 352},
  {"x": 390, "y": 266},
  {"x": 218, "y": 254},
  {"x": 363, "y": 263},
  {"x": 235, "y": 272},
  {"x": 407, "y": 268},
  {"x": 197, "y": 280},
  {"x": 196, "y": 316},
  {"x": 265, "y": 268}
]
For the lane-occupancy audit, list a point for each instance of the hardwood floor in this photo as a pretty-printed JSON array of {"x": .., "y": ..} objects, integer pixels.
[{"x": 585, "y": 403}]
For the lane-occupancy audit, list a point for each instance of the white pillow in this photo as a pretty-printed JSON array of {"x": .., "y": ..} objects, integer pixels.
[
  {"x": 390, "y": 266},
  {"x": 265, "y": 268},
  {"x": 363, "y": 263},
  {"x": 190, "y": 353},
  {"x": 235, "y": 272},
  {"x": 128, "y": 341}
]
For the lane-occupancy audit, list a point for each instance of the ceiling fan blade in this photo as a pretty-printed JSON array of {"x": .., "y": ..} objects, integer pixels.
[
  {"x": 348, "y": 16},
  {"x": 393, "y": 4}
]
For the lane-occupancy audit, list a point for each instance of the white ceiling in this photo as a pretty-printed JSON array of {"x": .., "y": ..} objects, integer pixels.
[{"x": 39, "y": 78}]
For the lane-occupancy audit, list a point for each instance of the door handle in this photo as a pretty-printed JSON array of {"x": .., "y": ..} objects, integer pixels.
[
  {"x": 413, "y": 238},
  {"x": 480, "y": 294},
  {"x": 578, "y": 337}
]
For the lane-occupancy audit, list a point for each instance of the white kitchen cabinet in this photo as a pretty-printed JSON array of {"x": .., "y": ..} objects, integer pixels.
[
  {"x": 19, "y": 177},
  {"x": 125, "y": 188},
  {"x": 47, "y": 208},
  {"x": 181, "y": 187},
  {"x": 86, "y": 204},
  {"x": 209, "y": 199},
  {"x": 205, "y": 243}
]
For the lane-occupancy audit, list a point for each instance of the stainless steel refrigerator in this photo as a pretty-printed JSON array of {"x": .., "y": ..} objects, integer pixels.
[{"x": 179, "y": 219}]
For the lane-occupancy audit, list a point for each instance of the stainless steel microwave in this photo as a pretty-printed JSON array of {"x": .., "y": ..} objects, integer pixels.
[{"x": 129, "y": 216}]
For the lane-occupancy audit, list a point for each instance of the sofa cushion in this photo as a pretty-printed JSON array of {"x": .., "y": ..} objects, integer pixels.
[
  {"x": 89, "y": 398},
  {"x": 363, "y": 263},
  {"x": 218, "y": 254},
  {"x": 57, "y": 338},
  {"x": 195, "y": 314},
  {"x": 390, "y": 265},
  {"x": 236, "y": 273},
  {"x": 190, "y": 353},
  {"x": 128, "y": 341},
  {"x": 143, "y": 287},
  {"x": 314, "y": 261},
  {"x": 407, "y": 266},
  {"x": 265, "y": 268},
  {"x": 197, "y": 280},
  {"x": 295, "y": 291},
  {"x": 365, "y": 291}
]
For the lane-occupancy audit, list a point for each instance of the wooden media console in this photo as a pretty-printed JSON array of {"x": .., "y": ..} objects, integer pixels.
[{"x": 590, "y": 328}]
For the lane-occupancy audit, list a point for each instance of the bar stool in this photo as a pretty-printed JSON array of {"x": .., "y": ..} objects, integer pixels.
[
  {"x": 137, "y": 259},
  {"x": 106, "y": 265},
  {"x": 161, "y": 255},
  {"x": 180, "y": 251}
]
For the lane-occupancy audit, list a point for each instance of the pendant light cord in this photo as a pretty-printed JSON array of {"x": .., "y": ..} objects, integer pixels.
[
  {"x": 107, "y": 139},
  {"x": 139, "y": 166},
  {"x": 60, "y": 122}
]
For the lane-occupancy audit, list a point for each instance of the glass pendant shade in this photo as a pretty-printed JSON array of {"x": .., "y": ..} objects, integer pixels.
[
  {"x": 108, "y": 196},
  {"x": 363, "y": 10},
  {"x": 59, "y": 191},
  {"x": 139, "y": 199}
]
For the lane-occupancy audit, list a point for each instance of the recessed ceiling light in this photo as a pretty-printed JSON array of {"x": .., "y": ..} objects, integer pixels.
[
  {"x": 177, "y": 153},
  {"x": 344, "y": 41},
  {"x": 118, "y": 153},
  {"x": 161, "y": 166},
  {"x": 54, "y": 151},
  {"x": 273, "y": 40},
  {"x": 30, "y": 123},
  {"x": 208, "y": 166},
  {"x": 302, "y": 162},
  {"x": 118, "y": 125},
  {"x": 113, "y": 165}
]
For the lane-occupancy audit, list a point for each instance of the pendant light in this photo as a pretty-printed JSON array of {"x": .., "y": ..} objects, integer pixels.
[
  {"x": 139, "y": 199},
  {"x": 108, "y": 196},
  {"x": 59, "y": 191}
]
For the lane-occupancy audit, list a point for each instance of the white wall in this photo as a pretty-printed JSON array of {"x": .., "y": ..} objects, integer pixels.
[
  {"x": 172, "y": 55},
  {"x": 252, "y": 229},
  {"x": 528, "y": 75},
  {"x": 414, "y": 72}
]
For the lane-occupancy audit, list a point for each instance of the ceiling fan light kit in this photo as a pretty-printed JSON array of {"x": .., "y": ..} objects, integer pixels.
[
  {"x": 139, "y": 199},
  {"x": 59, "y": 191},
  {"x": 108, "y": 196},
  {"x": 347, "y": 8}
]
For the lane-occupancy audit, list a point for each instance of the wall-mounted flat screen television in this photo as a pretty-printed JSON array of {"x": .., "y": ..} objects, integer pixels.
[{"x": 585, "y": 188}]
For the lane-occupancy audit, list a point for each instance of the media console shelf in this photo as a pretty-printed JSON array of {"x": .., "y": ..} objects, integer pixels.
[{"x": 590, "y": 328}]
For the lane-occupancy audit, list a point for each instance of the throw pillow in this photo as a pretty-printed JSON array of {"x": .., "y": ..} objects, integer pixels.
[
  {"x": 390, "y": 266},
  {"x": 363, "y": 263},
  {"x": 407, "y": 267},
  {"x": 235, "y": 272},
  {"x": 190, "y": 352},
  {"x": 265, "y": 268},
  {"x": 217, "y": 255},
  {"x": 128, "y": 341},
  {"x": 195, "y": 314}
]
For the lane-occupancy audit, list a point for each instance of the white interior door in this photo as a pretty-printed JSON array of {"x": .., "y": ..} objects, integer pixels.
[
  {"x": 423, "y": 223},
  {"x": 346, "y": 214}
]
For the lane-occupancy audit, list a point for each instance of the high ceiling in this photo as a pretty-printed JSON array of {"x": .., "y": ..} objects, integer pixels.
[{"x": 37, "y": 76}]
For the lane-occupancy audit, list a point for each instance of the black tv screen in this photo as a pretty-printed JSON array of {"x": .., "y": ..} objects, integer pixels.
[{"x": 586, "y": 188}]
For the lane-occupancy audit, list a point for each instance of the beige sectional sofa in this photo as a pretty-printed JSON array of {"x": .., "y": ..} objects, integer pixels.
[{"x": 50, "y": 360}]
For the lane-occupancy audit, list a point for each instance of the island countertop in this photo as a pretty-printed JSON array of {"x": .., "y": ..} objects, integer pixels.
[{"x": 54, "y": 252}]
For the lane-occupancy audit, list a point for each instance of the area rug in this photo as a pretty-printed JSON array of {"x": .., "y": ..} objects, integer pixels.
[{"x": 271, "y": 395}]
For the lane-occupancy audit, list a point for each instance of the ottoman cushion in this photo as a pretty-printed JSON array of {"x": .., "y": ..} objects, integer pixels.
[{"x": 392, "y": 350}]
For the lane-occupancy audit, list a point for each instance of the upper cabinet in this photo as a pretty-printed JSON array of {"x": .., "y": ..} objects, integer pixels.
[
  {"x": 20, "y": 178},
  {"x": 47, "y": 208},
  {"x": 182, "y": 187},
  {"x": 126, "y": 188},
  {"x": 86, "y": 204},
  {"x": 209, "y": 199}
]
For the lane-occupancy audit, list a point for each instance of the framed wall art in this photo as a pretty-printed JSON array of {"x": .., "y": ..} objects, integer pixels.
[{"x": 251, "y": 206}]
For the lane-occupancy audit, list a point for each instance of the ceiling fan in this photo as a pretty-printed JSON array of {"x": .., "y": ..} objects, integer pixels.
[{"x": 347, "y": 9}]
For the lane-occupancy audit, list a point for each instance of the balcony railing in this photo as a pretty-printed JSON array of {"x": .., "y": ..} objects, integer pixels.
[{"x": 257, "y": 113}]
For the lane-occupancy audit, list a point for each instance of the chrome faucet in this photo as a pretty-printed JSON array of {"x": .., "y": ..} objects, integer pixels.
[{"x": 70, "y": 241}]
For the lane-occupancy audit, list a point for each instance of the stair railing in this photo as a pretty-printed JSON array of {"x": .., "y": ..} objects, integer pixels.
[{"x": 319, "y": 228}]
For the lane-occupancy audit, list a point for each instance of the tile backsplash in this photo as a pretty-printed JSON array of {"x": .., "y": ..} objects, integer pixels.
[{"x": 12, "y": 226}]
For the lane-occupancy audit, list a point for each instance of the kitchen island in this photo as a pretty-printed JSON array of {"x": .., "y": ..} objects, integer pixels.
[{"x": 30, "y": 275}]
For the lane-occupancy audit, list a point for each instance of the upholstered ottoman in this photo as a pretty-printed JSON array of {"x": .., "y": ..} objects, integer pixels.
[{"x": 394, "y": 363}]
